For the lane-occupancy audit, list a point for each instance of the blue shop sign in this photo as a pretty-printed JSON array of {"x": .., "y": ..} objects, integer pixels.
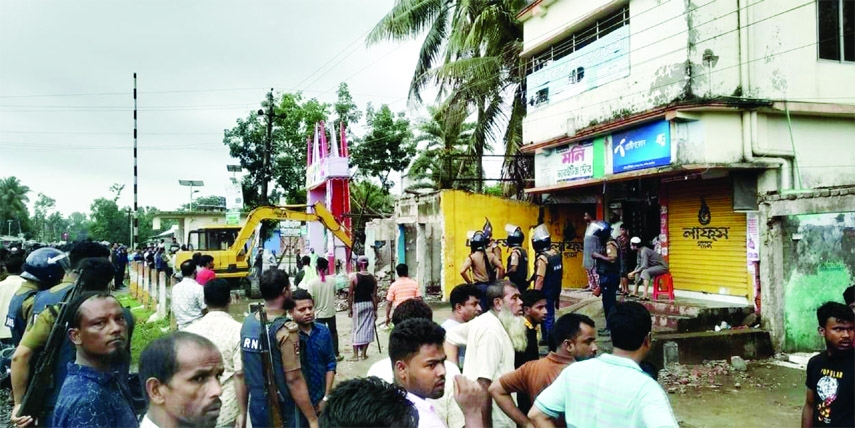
[{"x": 644, "y": 147}]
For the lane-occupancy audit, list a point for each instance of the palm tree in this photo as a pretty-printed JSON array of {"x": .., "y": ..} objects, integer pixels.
[
  {"x": 13, "y": 199},
  {"x": 448, "y": 151},
  {"x": 479, "y": 42}
]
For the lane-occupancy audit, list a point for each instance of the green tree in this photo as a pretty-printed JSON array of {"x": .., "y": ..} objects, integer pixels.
[
  {"x": 109, "y": 223},
  {"x": 471, "y": 50},
  {"x": 346, "y": 110},
  {"x": 55, "y": 226},
  {"x": 206, "y": 203},
  {"x": 42, "y": 208},
  {"x": 294, "y": 121},
  {"x": 78, "y": 226},
  {"x": 387, "y": 147},
  {"x": 13, "y": 205},
  {"x": 446, "y": 155},
  {"x": 371, "y": 201}
]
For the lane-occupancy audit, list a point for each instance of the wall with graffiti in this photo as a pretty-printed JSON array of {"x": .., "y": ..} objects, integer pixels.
[{"x": 819, "y": 255}]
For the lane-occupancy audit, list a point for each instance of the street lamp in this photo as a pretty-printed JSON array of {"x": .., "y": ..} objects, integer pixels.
[
  {"x": 10, "y": 227},
  {"x": 265, "y": 175},
  {"x": 192, "y": 184}
]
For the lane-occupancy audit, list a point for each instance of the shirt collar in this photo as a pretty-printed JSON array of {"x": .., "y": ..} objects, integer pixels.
[
  {"x": 619, "y": 361},
  {"x": 529, "y": 325},
  {"x": 102, "y": 378},
  {"x": 560, "y": 359},
  {"x": 420, "y": 402}
]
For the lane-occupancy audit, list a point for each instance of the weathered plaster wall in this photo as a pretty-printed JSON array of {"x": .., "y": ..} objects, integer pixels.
[{"x": 715, "y": 137}]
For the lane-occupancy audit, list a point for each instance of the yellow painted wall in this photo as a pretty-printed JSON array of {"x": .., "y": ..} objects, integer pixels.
[
  {"x": 702, "y": 263},
  {"x": 463, "y": 212}
]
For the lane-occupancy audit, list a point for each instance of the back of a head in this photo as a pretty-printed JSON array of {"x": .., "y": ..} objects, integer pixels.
[
  {"x": 15, "y": 262},
  {"x": 86, "y": 250},
  {"x": 368, "y": 402},
  {"x": 494, "y": 291},
  {"x": 532, "y": 296},
  {"x": 196, "y": 258},
  {"x": 159, "y": 360},
  {"x": 306, "y": 260},
  {"x": 461, "y": 293},
  {"x": 411, "y": 309},
  {"x": 273, "y": 283},
  {"x": 205, "y": 259},
  {"x": 408, "y": 337},
  {"x": 568, "y": 325},
  {"x": 849, "y": 295},
  {"x": 834, "y": 310},
  {"x": 217, "y": 293},
  {"x": 188, "y": 268},
  {"x": 95, "y": 273},
  {"x": 322, "y": 265},
  {"x": 402, "y": 270},
  {"x": 630, "y": 324}
]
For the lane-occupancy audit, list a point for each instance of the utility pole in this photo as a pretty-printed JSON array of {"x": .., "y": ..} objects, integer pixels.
[{"x": 267, "y": 147}]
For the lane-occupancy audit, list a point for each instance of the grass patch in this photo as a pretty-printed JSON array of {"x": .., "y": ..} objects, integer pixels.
[{"x": 144, "y": 333}]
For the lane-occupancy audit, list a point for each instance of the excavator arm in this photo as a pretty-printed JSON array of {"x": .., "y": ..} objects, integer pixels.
[{"x": 291, "y": 212}]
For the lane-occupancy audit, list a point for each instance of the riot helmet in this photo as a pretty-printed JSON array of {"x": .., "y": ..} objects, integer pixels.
[
  {"x": 540, "y": 239},
  {"x": 478, "y": 241},
  {"x": 45, "y": 266},
  {"x": 600, "y": 229},
  {"x": 488, "y": 229},
  {"x": 515, "y": 235}
]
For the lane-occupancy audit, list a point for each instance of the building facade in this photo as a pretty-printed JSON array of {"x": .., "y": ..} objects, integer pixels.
[{"x": 681, "y": 118}]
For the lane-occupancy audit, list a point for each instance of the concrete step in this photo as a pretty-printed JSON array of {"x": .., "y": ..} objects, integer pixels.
[
  {"x": 671, "y": 323},
  {"x": 695, "y": 347}
]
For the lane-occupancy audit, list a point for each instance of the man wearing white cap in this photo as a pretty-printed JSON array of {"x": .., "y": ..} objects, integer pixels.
[{"x": 650, "y": 265}]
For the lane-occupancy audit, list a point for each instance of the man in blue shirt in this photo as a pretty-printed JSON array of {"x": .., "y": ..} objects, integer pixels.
[
  {"x": 317, "y": 356},
  {"x": 93, "y": 395}
]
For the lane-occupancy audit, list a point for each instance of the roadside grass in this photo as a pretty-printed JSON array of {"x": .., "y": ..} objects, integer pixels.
[{"x": 144, "y": 333}]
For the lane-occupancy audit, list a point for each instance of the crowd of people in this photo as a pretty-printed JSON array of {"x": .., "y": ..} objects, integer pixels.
[{"x": 485, "y": 365}]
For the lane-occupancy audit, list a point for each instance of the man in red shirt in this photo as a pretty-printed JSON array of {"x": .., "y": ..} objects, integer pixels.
[{"x": 575, "y": 338}]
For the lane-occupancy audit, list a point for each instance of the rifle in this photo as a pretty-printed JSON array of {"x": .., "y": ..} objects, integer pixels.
[
  {"x": 267, "y": 366},
  {"x": 42, "y": 379}
]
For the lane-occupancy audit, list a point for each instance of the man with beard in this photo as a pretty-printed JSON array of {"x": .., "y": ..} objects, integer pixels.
[
  {"x": 576, "y": 341},
  {"x": 491, "y": 340},
  {"x": 181, "y": 374},
  {"x": 831, "y": 374},
  {"x": 93, "y": 394},
  {"x": 418, "y": 363}
]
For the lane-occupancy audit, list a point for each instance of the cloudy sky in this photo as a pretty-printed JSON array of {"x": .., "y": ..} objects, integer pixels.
[{"x": 66, "y": 85}]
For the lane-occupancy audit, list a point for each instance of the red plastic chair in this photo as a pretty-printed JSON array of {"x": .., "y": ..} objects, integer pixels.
[{"x": 664, "y": 285}]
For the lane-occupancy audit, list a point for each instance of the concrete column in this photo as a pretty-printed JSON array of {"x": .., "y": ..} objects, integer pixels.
[
  {"x": 772, "y": 284},
  {"x": 422, "y": 258},
  {"x": 161, "y": 296}
]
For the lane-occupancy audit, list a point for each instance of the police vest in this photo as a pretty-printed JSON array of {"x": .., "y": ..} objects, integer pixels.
[
  {"x": 250, "y": 345},
  {"x": 47, "y": 298},
  {"x": 554, "y": 271},
  {"x": 15, "y": 317},
  {"x": 604, "y": 267},
  {"x": 520, "y": 276}
]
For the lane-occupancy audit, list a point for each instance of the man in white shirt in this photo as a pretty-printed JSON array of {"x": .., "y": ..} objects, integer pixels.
[
  {"x": 465, "y": 305},
  {"x": 219, "y": 327},
  {"x": 188, "y": 298},
  {"x": 585, "y": 392},
  {"x": 491, "y": 340},
  {"x": 8, "y": 287}
]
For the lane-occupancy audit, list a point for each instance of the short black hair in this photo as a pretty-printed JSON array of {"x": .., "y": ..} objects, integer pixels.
[
  {"x": 196, "y": 256},
  {"x": 205, "y": 259},
  {"x": 85, "y": 250},
  {"x": 15, "y": 262},
  {"x": 306, "y": 260},
  {"x": 368, "y": 402},
  {"x": 402, "y": 270},
  {"x": 848, "y": 294},
  {"x": 410, "y": 309},
  {"x": 273, "y": 283},
  {"x": 218, "y": 293},
  {"x": 834, "y": 310},
  {"x": 630, "y": 324},
  {"x": 322, "y": 264},
  {"x": 95, "y": 273},
  {"x": 74, "y": 306},
  {"x": 301, "y": 294},
  {"x": 159, "y": 360},
  {"x": 461, "y": 293},
  {"x": 409, "y": 336},
  {"x": 532, "y": 296},
  {"x": 188, "y": 268},
  {"x": 567, "y": 327},
  {"x": 497, "y": 290}
]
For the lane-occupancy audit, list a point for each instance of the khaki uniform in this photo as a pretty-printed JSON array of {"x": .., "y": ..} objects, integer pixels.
[
  {"x": 477, "y": 264},
  {"x": 288, "y": 340}
]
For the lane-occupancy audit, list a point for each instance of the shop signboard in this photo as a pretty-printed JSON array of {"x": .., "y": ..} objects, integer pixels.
[
  {"x": 565, "y": 163},
  {"x": 233, "y": 217},
  {"x": 602, "y": 61},
  {"x": 752, "y": 246},
  {"x": 644, "y": 147}
]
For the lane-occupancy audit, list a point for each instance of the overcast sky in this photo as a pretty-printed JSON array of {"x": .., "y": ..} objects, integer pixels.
[{"x": 66, "y": 124}]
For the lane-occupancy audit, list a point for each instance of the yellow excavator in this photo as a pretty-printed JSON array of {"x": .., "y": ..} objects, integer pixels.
[{"x": 231, "y": 247}]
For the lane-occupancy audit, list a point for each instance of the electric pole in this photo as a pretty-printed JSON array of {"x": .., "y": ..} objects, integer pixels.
[{"x": 266, "y": 159}]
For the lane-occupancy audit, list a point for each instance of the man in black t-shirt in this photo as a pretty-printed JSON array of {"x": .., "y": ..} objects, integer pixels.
[{"x": 831, "y": 374}]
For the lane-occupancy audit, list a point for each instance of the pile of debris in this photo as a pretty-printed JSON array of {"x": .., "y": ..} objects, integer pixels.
[{"x": 717, "y": 374}]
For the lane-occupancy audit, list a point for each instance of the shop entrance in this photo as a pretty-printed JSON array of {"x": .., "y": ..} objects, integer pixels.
[{"x": 636, "y": 203}]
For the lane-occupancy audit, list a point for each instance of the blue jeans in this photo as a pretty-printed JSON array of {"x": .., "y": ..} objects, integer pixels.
[
  {"x": 608, "y": 285},
  {"x": 552, "y": 297}
]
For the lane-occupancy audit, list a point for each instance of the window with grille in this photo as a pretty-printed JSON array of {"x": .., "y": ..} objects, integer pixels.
[{"x": 836, "y": 29}]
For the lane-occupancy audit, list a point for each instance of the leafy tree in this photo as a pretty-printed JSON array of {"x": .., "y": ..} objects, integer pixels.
[
  {"x": 293, "y": 121},
  {"x": 78, "y": 226},
  {"x": 446, "y": 155},
  {"x": 55, "y": 226},
  {"x": 387, "y": 147},
  {"x": 371, "y": 201},
  {"x": 13, "y": 200},
  {"x": 43, "y": 206},
  {"x": 346, "y": 110},
  {"x": 108, "y": 223},
  {"x": 206, "y": 203}
]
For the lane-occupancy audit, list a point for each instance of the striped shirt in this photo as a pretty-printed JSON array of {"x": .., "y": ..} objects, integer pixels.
[
  {"x": 607, "y": 391},
  {"x": 405, "y": 288}
]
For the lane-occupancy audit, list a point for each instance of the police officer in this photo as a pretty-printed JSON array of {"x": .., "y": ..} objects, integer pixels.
[
  {"x": 57, "y": 293},
  {"x": 608, "y": 268},
  {"x": 517, "y": 271},
  {"x": 485, "y": 267},
  {"x": 492, "y": 245},
  {"x": 284, "y": 351},
  {"x": 548, "y": 273},
  {"x": 43, "y": 269}
]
